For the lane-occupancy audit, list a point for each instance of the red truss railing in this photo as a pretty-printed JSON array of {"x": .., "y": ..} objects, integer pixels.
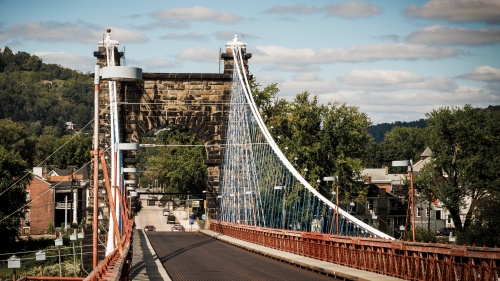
[{"x": 406, "y": 260}]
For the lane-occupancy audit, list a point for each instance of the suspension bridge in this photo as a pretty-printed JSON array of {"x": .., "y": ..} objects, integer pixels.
[{"x": 255, "y": 194}]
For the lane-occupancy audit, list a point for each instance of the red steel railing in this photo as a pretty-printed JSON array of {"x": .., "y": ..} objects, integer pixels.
[{"x": 406, "y": 260}]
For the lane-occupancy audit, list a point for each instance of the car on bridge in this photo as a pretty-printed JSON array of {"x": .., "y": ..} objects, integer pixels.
[
  {"x": 171, "y": 219},
  {"x": 178, "y": 227},
  {"x": 149, "y": 228}
]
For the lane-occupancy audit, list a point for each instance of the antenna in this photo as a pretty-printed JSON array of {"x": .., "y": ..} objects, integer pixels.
[
  {"x": 124, "y": 57},
  {"x": 220, "y": 53}
]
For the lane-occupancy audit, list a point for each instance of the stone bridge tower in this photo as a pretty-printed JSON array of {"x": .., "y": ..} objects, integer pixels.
[{"x": 199, "y": 101}]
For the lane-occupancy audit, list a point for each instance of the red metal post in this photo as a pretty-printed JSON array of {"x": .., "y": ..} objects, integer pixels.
[{"x": 96, "y": 166}]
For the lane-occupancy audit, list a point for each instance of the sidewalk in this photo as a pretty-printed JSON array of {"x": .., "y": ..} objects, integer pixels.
[
  {"x": 332, "y": 269},
  {"x": 145, "y": 263}
]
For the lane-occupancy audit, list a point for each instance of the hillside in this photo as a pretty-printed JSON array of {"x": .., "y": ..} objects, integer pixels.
[
  {"x": 378, "y": 131},
  {"x": 40, "y": 95}
]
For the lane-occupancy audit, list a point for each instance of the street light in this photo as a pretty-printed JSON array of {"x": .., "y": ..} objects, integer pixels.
[
  {"x": 409, "y": 163},
  {"x": 335, "y": 179},
  {"x": 283, "y": 215}
]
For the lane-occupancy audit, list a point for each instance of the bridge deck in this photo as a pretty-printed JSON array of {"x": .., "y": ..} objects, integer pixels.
[
  {"x": 146, "y": 265},
  {"x": 339, "y": 271}
]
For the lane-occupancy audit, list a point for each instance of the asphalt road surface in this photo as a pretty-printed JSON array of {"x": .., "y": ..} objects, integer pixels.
[{"x": 194, "y": 256}]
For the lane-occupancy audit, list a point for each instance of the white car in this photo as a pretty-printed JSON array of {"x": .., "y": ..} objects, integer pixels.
[{"x": 166, "y": 212}]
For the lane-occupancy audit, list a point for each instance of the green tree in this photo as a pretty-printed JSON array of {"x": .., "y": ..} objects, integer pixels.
[
  {"x": 177, "y": 165},
  {"x": 466, "y": 150},
  {"x": 484, "y": 229},
  {"x": 344, "y": 140},
  {"x": 14, "y": 177},
  {"x": 73, "y": 150},
  {"x": 402, "y": 143}
]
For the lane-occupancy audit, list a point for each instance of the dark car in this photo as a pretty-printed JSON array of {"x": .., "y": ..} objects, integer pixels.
[
  {"x": 149, "y": 228},
  {"x": 171, "y": 219},
  {"x": 178, "y": 227},
  {"x": 446, "y": 231}
]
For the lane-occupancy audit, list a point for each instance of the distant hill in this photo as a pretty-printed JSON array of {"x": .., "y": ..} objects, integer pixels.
[
  {"x": 378, "y": 131},
  {"x": 39, "y": 94}
]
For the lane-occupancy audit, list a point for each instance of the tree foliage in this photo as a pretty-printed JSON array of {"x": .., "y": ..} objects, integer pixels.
[
  {"x": 71, "y": 150},
  {"x": 178, "y": 166},
  {"x": 465, "y": 143},
  {"x": 34, "y": 92},
  {"x": 13, "y": 179},
  {"x": 320, "y": 140}
]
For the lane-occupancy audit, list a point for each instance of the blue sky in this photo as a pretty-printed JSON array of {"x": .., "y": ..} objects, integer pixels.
[{"x": 395, "y": 60}]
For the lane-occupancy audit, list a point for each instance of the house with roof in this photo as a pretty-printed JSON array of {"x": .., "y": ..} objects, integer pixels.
[
  {"x": 56, "y": 198},
  {"x": 385, "y": 208},
  {"x": 387, "y": 205}
]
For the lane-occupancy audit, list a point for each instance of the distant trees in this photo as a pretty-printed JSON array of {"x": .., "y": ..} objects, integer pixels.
[
  {"x": 32, "y": 91},
  {"x": 178, "y": 166}
]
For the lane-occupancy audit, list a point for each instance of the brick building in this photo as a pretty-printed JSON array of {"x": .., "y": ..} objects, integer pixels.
[{"x": 56, "y": 198}]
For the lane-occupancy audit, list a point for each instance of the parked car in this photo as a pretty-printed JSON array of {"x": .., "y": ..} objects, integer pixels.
[
  {"x": 171, "y": 219},
  {"x": 446, "y": 231},
  {"x": 178, "y": 227},
  {"x": 149, "y": 228},
  {"x": 166, "y": 212}
]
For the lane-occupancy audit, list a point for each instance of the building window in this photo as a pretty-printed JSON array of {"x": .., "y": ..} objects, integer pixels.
[
  {"x": 389, "y": 222},
  {"x": 449, "y": 218},
  {"x": 393, "y": 204},
  {"x": 438, "y": 214},
  {"x": 419, "y": 212}
]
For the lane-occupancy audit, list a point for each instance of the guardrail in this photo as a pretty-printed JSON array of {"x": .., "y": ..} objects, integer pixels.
[{"x": 406, "y": 260}]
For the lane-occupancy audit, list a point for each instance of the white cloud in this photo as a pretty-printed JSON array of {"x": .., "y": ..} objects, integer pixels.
[
  {"x": 74, "y": 32},
  {"x": 443, "y": 35},
  {"x": 483, "y": 73},
  {"x": 306, "y": 76},
  {"x": 352, "y": 9},
  {"x": 394, "y": 80},
  {"x": 197, "y": 13},
  {"x": 191, "y": 36},
  {"x": 458, "y": 10},
  {"x": 295, "y": 10},
  {"x": 386, "y": 107},
  {"x": 82, "y": 63},
  {"x": 199, "y": 54},
  {"x": 124, "y": 35},
  {"x": 291, "y": 88},
  {"x": 357, "y": 53}
]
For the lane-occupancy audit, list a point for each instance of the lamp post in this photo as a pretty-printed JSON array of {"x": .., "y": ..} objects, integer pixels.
[
  {"x": 335, "y": 179},
  {"x": 283, "y": 215},
  {"x": 409, "y": 163}
]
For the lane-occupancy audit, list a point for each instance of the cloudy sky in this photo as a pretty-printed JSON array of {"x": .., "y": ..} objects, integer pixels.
[{"x": 395, "y": 60}]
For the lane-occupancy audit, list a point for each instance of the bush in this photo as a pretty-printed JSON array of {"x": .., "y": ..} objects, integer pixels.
[{"x": 424, "y": 235}]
